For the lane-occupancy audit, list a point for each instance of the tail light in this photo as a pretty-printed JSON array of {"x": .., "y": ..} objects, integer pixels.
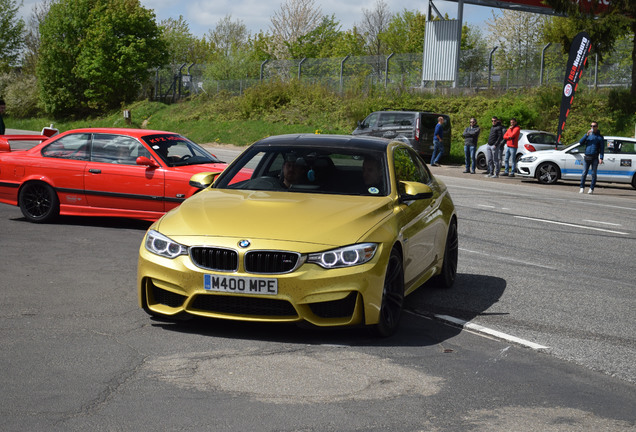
[
  {"x": 417, "y": 129},
  {"x": 530, "y": 147}
]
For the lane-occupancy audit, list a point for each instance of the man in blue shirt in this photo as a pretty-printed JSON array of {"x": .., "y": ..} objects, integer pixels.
[
  {"x": 594, "y": 152},
  {"x": 438, "y": 146}
]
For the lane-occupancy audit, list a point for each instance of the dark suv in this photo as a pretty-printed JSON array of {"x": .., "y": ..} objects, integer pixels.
[{"x": 412, "y": 127}]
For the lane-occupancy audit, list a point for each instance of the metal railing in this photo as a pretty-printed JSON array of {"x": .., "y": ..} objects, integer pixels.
[{"x": 479, "y": 69}]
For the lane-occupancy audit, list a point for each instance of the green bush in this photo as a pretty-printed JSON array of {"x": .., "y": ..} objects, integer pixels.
[{"x": 21, "y": 96}]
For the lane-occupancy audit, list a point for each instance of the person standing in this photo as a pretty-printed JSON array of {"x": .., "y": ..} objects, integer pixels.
[
  {"x": 594, "y": 153},
  {"x": 438, "y": 142},
  {"x": 471, "y": 135},
  {"x": 3, "y": 107},
  {"x": 512, "y": 142},
  {"x": 495, "y": 142}
]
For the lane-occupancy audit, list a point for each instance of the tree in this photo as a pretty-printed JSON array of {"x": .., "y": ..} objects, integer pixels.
[
  {"x": 32, "y": 37},
  {"x": 232, "y": 57},
  {"x": 605, "y": 26},
  {"x": 517, "y": 34},
  {"x": 11, "y": 28},
  {"x": 374, "y": 23},
  {"x": 294, "y": 19},
  {"x": 405, "y": 32},
  {"x": 319, "y": 42},
  {"x": 181, "y": 46},
  {"x": 473, "y": 50},
  {"x": 96, "y": 54}
]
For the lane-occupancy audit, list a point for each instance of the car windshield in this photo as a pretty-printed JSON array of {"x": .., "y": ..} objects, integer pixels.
[
  {"x": 176, "y": 150},
  {"x": 311, "y": 170}
]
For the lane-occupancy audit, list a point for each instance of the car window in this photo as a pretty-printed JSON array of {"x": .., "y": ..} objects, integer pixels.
[
  {"x": 176, "y": 150},
  {"x": 389, "y": 119},
  {"x": 310, "y": 170},
  {"x": 74, "y": 146},
  {"x": 371, "y": 120},
  {"x": 619, "y": 146},
  {"x": 117, "y": 149},
  {"x": 409, "y": 167},
  {"x": 541, "y": 138},
  {"x": 628, "y": 147}
]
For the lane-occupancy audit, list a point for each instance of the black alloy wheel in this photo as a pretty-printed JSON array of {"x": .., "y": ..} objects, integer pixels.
[
  {"x": 446, "y": 278},
  {"x": 392, "y": 297},
  {"x": 39, "y": 202},
  {"x": 481, "y": 162}
]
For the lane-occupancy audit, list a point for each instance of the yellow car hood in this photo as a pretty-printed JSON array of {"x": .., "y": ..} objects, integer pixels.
[{"x": 298, "y": 217}]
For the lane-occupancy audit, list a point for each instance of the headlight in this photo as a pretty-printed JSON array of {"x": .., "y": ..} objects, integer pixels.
[
  {"x": 159, "y": 244},
  {"x": 528, "y": 159},
  {"x": 344, "y": 257}
]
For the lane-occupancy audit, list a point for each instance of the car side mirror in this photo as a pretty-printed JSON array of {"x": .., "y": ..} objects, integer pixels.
[
  {"x": 415, "y": 191},
  {"x": 143, "y": 160},
  {"x": 203, "y": 180},
  {"x": 362, "y": 124}
]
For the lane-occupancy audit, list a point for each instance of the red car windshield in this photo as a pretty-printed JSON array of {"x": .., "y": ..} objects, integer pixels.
[{"x": 176, "y": 150}]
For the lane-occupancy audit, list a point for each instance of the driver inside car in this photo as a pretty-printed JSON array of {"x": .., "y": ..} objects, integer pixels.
[{"x": 294, "y": 170}]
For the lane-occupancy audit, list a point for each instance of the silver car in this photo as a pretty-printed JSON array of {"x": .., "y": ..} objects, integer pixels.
[
  {"x": 619, "y": 163},
  {"x": 529, "y": 141}
]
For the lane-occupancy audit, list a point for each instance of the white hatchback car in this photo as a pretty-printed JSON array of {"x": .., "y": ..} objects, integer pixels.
[
  {"x": 619, "y": 163},
  {"x": 529, "y": 141}
]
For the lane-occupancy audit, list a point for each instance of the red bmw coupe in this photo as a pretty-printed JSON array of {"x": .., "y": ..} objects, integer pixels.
[{"x": 134, "y": 173}]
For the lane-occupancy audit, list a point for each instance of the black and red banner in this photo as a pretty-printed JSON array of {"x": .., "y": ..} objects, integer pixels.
[{"x": 581, "y": 46}]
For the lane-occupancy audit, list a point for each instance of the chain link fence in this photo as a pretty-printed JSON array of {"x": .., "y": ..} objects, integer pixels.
[{"x": 478, "y": 70}]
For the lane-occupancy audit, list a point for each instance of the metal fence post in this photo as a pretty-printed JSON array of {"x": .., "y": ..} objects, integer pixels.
[
  {"x": 341, "y": 73},
  {"x": 300, "y": 67},
  {"x": 262, "y": 67},
  {"x": 543, "y": 63},
  {"x": 386, "y": 70},
  {"x": 490, "y": 64}
]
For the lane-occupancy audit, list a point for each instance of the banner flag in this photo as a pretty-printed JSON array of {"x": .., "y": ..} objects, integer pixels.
[{"x": 581, "y": 46}]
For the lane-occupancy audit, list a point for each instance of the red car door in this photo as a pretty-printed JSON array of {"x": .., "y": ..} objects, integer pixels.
[
  {"x": 113, "y": 179},
  {"x": 62, "y": 164}
]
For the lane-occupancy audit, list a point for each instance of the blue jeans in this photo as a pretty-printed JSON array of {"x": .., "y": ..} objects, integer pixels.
[
  {"x": 469, "y": 152},
  {"x": 438, "y": 151},
  {"x": 511, "y": 153},
  {"x": 587, "y": 165}
]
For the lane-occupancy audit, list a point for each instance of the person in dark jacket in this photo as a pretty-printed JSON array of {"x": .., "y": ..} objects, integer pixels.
[
  {"x": 471, "y": 135},
  {"x": 594, "y": 153},
  {"x": 2, "y": 109},
  {"x": 493, "y": 149}
]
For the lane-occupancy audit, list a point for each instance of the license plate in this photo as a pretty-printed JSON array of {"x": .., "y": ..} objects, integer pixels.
[{"x": 240, "y": 285}]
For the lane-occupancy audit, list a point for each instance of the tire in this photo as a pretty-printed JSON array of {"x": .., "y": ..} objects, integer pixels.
[
  {"x": 39, "y": 202},
  {"x": 481, "y": 163},
  {"x": 447, "y": 277},
  {"x": 548, "y": 173},
  {"x": 634, "y": 181},
  {"x": 392, "y": 297}
]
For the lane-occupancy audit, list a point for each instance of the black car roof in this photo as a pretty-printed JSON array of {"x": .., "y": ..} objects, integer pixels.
[{"x": 321, "y": 140}]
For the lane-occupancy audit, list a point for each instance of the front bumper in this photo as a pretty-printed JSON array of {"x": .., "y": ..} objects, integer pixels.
[{"x": 322, "y": 297}]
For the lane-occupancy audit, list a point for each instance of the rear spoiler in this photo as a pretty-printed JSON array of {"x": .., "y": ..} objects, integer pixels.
[{"x": 5, "y": 140}]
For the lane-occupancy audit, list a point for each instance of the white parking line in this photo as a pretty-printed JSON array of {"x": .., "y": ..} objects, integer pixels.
[
  {"x": 572, "y": 225},
  {"x": 481, "y": 330},
  {"x": 508, "y": 259},
  {"x": 601, "y": 222}
]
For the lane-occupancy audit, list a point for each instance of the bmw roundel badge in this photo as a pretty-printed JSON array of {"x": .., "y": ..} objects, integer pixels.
[{"x": 244, "y": 243}]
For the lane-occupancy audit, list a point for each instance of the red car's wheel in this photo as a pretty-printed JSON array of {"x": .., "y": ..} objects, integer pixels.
[{"x": 38, "y": 202}]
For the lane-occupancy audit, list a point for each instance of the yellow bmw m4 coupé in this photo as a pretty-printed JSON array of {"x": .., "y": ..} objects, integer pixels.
[{"x": 331, "y": 230}]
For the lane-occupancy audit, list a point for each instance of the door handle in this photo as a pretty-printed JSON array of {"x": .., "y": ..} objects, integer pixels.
[{"x": 95, "y": 171}]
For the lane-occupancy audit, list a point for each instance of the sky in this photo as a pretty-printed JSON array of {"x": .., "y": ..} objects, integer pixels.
[{"x": 203, "y": 15}]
